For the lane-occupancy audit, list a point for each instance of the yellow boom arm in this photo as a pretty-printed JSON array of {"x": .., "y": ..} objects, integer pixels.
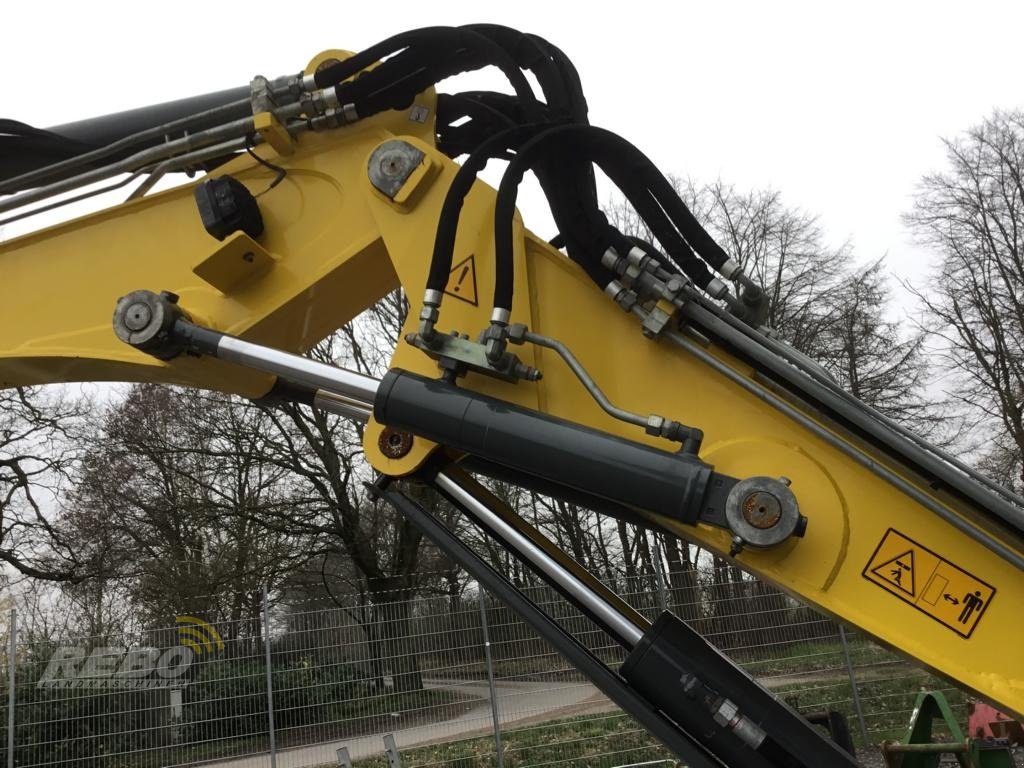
[{"x": 874, "y": 555}]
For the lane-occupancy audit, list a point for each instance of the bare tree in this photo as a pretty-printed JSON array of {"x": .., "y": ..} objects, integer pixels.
[
  {"x": 876, "y": 359},
  {"x": 324, "y": 456},
  {"x": 165, "y": 505},
  {"x": 781, "y": 248},
  {"x": 37, "y": 457},
  {"x": 972, "y": 215}
]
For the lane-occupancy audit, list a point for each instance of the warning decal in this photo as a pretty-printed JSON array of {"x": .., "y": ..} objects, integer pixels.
[
  {"x": 899, "y": 572},
  {"x": 462, "y": 281},
  {"x": 930, "y": 583}
]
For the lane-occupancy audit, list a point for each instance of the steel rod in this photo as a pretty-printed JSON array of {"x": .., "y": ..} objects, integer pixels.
[
  {"x": 343, "y": 388},
  {"x": 618, "y": 626},
  {"x": 12, "y": 665},
  {"x": 853, "y": 687},
  {"x": 499, "y": 749},
  {"x": 270, "y": 681}
]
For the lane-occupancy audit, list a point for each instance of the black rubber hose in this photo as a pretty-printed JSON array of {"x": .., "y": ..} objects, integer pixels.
[
  {"x": 340, "y": 71},
  {"x": 485, "y": 120},
  {"x": 504, "y": 209},
  {"x": 585, "y": 230},
  {"x": 448, "y": 223},
  {"x": 641, "y": 167},
  {"x": 568, "y": 183},
  {"x": 603, "y": 154},
  {"x": 533, "y": 54},
  {"x": 682, "y": 256},
  {"x": 397, "y": 81},
  {"x": 337, "y": 74},
  {"x": 680, "y": 214},
  {"x": 630, "y": 170}
]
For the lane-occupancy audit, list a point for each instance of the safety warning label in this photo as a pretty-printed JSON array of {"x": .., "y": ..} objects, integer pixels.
[
  {"x": 930, "y": 583},
  {"x": 462, "y": 281}
]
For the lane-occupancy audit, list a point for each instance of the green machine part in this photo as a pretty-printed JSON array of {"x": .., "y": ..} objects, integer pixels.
[{"x": 919, "y": 750}]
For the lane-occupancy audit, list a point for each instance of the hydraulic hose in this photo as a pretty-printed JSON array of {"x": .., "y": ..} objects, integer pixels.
[
  {"x": 448, "y": 223},
  {"x": 337, "y": 74},
  {"x": 593, "y": 149}
]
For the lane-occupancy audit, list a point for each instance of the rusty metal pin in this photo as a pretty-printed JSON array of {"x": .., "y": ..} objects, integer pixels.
[
  {"x": 393, "y": 443},
  {"x": 762, "y": 510}
]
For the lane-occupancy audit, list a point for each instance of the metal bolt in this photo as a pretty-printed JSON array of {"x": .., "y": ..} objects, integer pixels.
[
  {"x": 391, "y": 164},
  {"x": 528, "y": 372},
  {"x": 138, "y": 316},
  {"x": 785, "y": 481},
  {"x": 762, "y": 510},
  {"x": 394, "y": 444},
  {"x": 249, "y": 257}
]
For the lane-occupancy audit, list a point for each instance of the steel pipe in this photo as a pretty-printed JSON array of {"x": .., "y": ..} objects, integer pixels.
[{"x": 615, "y": 623}]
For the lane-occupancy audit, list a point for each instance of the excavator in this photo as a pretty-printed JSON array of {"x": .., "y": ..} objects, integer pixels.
[{"x": 634, "y": 377}]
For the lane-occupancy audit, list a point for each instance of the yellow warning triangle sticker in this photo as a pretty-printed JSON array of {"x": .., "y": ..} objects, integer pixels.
[
  {"x": 899, "y": 571},
  {"x": 462, "y": 281}
]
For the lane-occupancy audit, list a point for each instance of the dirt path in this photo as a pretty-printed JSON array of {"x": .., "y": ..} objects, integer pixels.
[{"x": 518, "y": 703}]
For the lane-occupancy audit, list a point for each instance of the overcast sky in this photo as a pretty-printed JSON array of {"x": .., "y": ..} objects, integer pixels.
[{"x": 840, "y": 107}]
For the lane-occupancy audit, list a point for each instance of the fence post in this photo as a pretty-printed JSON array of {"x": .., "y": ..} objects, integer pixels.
[
  {"x": 391, "y": 750},
  {"x": 12, "y": 663},
  {"x": 270, "y": 680},
  {"x": 659, "y": 575},
  {"x": 500, "y": 750},
  {"x": 853, "y": 686}
]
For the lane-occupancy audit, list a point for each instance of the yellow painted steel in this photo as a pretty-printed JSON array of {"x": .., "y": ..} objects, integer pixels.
[{"x": 336, "y": 245}]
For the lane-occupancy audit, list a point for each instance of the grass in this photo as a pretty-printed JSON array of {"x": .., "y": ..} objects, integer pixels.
[
  {"x": 602, "y": 741},
  {"x": 810, "y": 677},
  {"x": 376, "y": 714},
  {"x": 597, "y": 741},
  {"x": 887, "y": 702},
  {"x": 810, "y": 656}
]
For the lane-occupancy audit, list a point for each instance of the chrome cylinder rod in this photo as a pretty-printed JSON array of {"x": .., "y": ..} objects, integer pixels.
[
  {"x": 613, "y": 621},
  {"x": 340, "y": 385}
]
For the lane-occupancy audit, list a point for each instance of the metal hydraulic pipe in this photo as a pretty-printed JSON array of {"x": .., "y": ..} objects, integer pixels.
[
  {"x": 65, "y": 168},
  {"x": 618, "y": 626},
  {"x": 236, "y": 129},
  {"x": 230, "y": 135},
  {"x": 1006, "y": 504},
  {"x": 847, "y": 449},
  {"x": 586, "y": 379}
]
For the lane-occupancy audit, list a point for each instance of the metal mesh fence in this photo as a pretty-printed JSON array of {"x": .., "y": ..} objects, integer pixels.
[{"x": 457, "y": 680}]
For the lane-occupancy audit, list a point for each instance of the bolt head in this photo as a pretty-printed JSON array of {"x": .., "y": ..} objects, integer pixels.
[
  {"x": 138, "y": 316},
  {"x": 762, "y": 510},
  {"x": 394, "y": 443}
]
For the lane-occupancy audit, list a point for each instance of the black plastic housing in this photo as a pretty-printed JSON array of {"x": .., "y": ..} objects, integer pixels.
[{"x": 226, "y": 206}]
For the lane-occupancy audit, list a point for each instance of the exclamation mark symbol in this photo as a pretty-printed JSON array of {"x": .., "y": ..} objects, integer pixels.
[
  {"x": 462, "y": 281},
  {"x": 458, "y": 283}
]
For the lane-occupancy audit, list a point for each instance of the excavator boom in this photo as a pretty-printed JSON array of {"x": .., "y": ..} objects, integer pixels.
[{"x": 617, "y": 374}]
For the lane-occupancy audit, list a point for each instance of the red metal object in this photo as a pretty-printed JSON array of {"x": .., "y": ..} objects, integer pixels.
[{"x": 985, "y": 720}]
